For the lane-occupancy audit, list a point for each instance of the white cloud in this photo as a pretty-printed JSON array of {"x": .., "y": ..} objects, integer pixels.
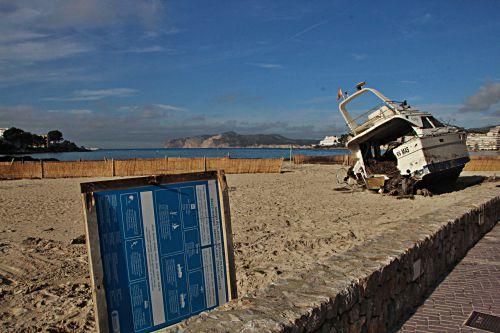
[
  {"x": 150, "y": 125},
  {"x": 265, "y": 65},
  {"x": 153, "y": 110},
  {"x": 12, "y": 75},
  {"x": 63, "y": 14},
  {"x": 80, "y": 111},
  {"x": 41, "y": 50},
  {"x": 450, "y": 114},
  {"x": 484, "y": 99},
  {"x": 19, "y": 35},
  {"x": 151, "y": 34},
  {"x": 423, "y": 19},
  {"x": 34, "y": 33},
  {"x": 94, "y": 95},
  {"x": 147, "y": 49},
  {"x": 73, "y": 111},
  {"x": 170, "y": 107},
  {"x": 359, "y": 56}
]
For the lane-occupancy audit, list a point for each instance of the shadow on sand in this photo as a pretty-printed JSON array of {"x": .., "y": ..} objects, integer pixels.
[{"x": 461, "y": 184}]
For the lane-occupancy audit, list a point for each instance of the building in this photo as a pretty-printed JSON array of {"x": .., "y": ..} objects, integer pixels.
[
  {"x": 488, "y": 141},
  {"x": 2, "y": 130},
  {"x": 329, "y": 141}
]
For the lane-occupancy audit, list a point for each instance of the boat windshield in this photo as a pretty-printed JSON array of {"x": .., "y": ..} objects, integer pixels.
[
  {"x": 366, "y": 109},
  {"x": 435, "y": 122}
]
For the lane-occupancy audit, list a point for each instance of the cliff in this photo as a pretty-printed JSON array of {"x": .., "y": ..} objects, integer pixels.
[{"x": 235, "y": 140}]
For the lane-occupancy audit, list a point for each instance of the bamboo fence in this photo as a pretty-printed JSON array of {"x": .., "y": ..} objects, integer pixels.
[
  {"x": 327, "y": 159},
  {"x": 477, "y": 163},
  {"x": 76, "y": 169},
  {"x": 136, "y": 167},
  {"x": 175, "y": 165},
  {"x": 483, "y": 163},
  {"x": 20, "y": 170}
]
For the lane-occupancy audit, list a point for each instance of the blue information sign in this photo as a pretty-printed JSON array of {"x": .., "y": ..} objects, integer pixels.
[{"x": 163, "y": 253}]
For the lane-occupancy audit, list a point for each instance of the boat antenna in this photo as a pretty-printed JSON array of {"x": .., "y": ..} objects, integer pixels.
[{"x": 360, "y": 85}]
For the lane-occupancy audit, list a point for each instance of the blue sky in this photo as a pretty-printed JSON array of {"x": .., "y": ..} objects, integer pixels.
[{"x": 134, "y": 73}]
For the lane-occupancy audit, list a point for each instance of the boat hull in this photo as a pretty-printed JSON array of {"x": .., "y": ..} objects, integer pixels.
[
  {"x": 441, "y": 177},
  {"x": 422, "y": 156}
]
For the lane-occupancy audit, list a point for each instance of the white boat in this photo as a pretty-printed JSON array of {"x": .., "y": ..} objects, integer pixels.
[
  {"x": 399, "y": 147},
  {"x": 329, "y": 141}
]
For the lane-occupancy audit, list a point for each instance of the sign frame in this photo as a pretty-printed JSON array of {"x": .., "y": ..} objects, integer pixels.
[{"x": 93, "y": 239}]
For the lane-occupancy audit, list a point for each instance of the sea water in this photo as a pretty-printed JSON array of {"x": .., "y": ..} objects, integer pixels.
[{"x": 121, "y": 154}]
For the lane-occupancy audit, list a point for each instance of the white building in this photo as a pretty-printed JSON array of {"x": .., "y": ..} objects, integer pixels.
[
  {"x": 488, "y": 141},
  {"x": 2, "y": 130},
  {"x": 329, "y": 141}
]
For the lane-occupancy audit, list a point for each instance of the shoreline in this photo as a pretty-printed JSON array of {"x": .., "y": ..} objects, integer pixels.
[{"x": 144, "y": 153}]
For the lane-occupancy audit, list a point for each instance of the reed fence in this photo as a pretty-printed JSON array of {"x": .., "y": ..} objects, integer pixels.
[
  {"x": 327, "y": 159},
  {"x": 175, "y": 165},
  {"x": 136, "y": 167},
  {"x": 483, "y": 163},
  {"x": 477, "y": 163},
  {"x": 20, "y": 170}
]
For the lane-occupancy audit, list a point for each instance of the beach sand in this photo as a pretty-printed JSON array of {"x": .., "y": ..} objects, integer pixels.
[{"x": 282, "y": 225}]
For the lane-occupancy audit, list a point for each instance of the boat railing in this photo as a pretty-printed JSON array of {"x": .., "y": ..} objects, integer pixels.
[{"x": 384, "y": 113}]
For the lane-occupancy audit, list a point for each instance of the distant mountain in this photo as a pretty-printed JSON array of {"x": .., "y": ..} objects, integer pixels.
[
  {"x": 235, "y": 140},
  {"x": 482, "y": 130}
]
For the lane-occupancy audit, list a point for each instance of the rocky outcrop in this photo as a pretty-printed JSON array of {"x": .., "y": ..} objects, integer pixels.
[{"x": 235, "y": 140}]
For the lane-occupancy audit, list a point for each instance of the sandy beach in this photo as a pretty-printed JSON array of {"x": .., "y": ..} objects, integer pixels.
[{"x": 282, "y": 224}]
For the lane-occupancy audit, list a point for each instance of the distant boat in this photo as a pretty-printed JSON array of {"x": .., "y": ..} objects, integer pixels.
[{"x": 330, "y": 141}]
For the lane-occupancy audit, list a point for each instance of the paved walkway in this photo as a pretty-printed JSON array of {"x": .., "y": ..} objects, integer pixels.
[{"x": 474, "y": 284}]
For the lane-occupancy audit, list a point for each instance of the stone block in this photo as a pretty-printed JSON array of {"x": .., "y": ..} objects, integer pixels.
[
  {"x": 348, "y": 298},
  {"x": 316, "y": 319},
  {"x": 374, "y": 326},
  {"x": 371, "y": 284},
  {"x": 326, "y": 328},
  {"x": 365, "y": 308},
  {"x": 332, "y": 308},
  {"x": 354, "y": 313}
]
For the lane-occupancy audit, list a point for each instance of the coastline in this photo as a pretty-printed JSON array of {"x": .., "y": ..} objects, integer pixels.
[{"x": 131, "y": 153}]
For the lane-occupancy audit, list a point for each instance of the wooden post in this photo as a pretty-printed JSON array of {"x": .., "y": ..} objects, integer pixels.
[
  {"x": 227, "y": 233},
  {"x": 291, "y": 165},
  {"x": 112, "y": 167},
  {"x": 166, "y": 165},
  {"x": 42, "y": 171},
  {"x": 205, "y": 163},
  {"x": 95, "y": 264}
]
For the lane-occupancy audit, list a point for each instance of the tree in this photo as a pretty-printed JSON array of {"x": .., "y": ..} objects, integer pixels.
[
  {"x": 38, "y": 141},
  {"x": 343, "y": 139},
  {"x": 13, "y": 134},
  {"x": 55, "y": 136},
  {"x": 18, "y": 137},
  {"x": 6, "y": 147}
]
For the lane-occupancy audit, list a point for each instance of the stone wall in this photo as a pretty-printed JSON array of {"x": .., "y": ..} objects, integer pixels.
[{"x": 369, "y": 288}]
